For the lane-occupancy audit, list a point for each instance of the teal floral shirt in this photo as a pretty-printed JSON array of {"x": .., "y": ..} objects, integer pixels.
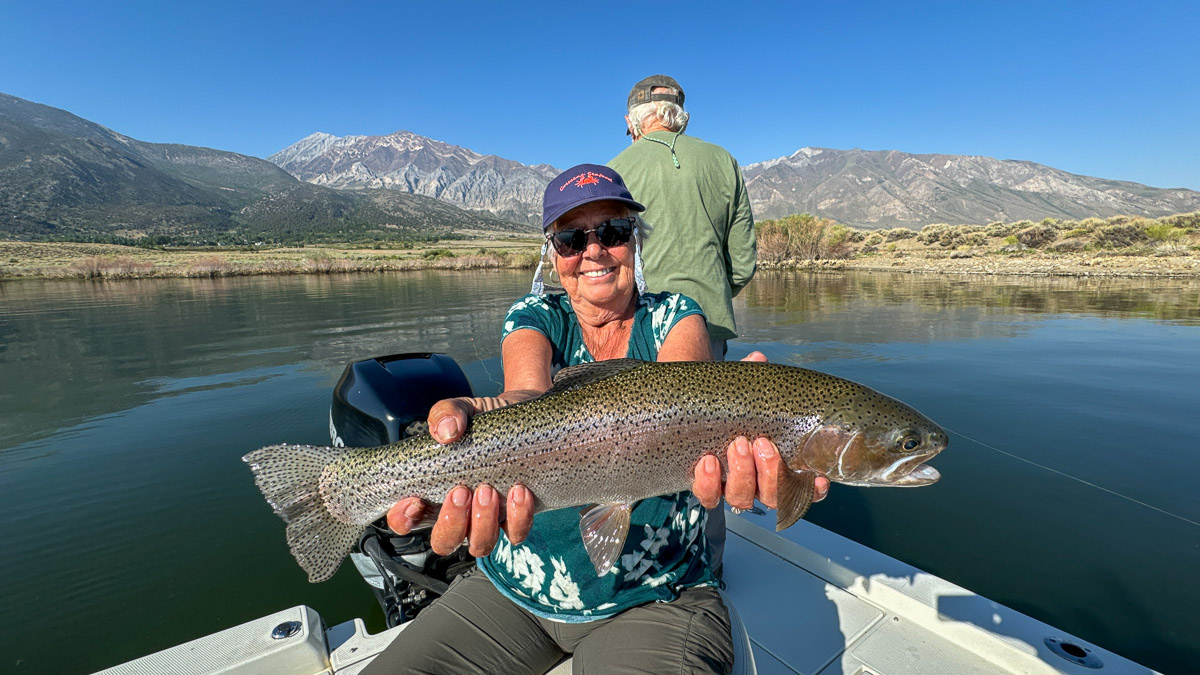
[{"x": 550, "y": 573}]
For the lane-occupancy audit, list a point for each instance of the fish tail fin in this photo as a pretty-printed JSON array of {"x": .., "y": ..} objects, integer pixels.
[
  {"x": 794, "y": 494},
  {"x": 289, "y": 477}
]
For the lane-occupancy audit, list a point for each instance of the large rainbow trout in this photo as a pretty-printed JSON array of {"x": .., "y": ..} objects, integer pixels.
[{"x": 607, "y": 434}]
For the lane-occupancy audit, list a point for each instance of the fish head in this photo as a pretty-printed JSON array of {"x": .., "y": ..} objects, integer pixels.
[{"x": 870, "y": 439}]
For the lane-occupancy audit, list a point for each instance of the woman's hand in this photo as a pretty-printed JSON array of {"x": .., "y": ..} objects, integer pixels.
[
  {"x": 474, "y": 516},
  {"x": 753, "y": 472},
  {"x": 471, "y": 516}
]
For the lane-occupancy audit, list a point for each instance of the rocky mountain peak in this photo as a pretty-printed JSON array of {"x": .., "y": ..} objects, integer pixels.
[{"x": 412, "y": 163}]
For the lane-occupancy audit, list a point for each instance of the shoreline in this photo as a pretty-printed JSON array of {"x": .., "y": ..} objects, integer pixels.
[
  {"x": 62, "y": 260},
  {"x": 1049, "y": 266},
  {"x": 84, "y": 261}
]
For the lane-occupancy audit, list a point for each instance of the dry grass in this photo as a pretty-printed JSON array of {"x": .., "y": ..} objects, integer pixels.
[
  {"x": 1168, "y": 246},
  {"x": 104, "y": 261},
  {"x": 110, "y": 267}
]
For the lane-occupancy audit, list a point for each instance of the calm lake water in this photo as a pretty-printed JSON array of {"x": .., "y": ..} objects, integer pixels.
[{"x": 129, "y": 522}]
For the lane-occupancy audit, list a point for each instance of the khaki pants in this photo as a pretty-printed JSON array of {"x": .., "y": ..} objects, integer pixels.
[{"x": 475, "y": 629}]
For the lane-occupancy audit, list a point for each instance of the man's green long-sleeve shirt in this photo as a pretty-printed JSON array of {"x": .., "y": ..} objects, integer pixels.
[{"x": 699, "y": 232}]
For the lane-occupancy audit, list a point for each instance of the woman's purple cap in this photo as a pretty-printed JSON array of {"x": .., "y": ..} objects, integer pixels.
[{"x": 580, "y": 185}]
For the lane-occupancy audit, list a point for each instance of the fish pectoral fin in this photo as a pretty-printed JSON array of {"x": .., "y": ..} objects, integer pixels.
[
  {"x": 794, "y": 494},
  {"x": 604, "y": 528}
]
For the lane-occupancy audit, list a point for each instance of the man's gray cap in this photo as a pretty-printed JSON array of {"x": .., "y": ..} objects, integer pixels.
[{"x": 641, "y": 92}]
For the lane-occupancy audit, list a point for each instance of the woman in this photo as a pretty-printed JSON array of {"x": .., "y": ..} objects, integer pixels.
[{"x": 535, "y": 596}]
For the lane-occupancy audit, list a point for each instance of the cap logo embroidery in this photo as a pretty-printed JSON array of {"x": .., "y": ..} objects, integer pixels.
[{"x": 585, "y": 178}]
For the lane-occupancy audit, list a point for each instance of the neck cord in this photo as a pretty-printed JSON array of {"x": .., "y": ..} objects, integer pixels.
[{"x": 670, "y": 145}]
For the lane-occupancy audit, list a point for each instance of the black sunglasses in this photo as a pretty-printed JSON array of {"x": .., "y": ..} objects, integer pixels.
[{"x": 610, "y": 233}]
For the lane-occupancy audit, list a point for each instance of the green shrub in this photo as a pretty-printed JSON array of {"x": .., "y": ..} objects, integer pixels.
[
  {"x": 807, "y": 234},
  {"x": 998, "y": 230},
  {"x": 874, "y": 239},
  {"x": 1165, "y": 232},
  {"x": 837, "y": 236},
  {"x": 1038, "y": 235},
  {"x": 932, "y": 234},
  {"x": 1189, "y": 222},
  {"x": 1069, "y": 246},
  {"x": 1121, "y": 234},
  {"x": 773, "y": 241},
  {"x": 803, "y": 236},
  {"x": 946, "y": 236},
  {"x": 898, "y": 233},
  {"x": 837, "y": 242}
]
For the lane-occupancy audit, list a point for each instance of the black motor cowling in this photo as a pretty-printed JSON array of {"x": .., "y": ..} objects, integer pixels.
[{"x": 379, "y": 401}]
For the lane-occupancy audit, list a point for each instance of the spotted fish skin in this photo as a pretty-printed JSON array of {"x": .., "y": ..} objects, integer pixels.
[{"x": 608, "y": 433}]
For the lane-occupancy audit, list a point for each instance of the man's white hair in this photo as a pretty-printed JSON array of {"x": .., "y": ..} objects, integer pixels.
[{"x": 669, "y": 114}]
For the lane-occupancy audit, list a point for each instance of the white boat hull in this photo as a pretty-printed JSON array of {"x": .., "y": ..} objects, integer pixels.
[{"x": 830, "y": 606}]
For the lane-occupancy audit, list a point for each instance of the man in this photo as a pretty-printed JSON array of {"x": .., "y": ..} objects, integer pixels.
[
  {"x": 699, "y": 232},
  {"x": 698, "y": 226}
]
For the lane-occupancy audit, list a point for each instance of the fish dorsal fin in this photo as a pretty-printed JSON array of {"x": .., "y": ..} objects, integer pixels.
[
  {"x": 794, "y": 494},
  {"x": 573, "y": 377},
  {"x": 604, "y": 528}
]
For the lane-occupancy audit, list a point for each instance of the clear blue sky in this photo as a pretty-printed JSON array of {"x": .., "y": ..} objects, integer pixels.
[{"x": 1109, "y": 89}]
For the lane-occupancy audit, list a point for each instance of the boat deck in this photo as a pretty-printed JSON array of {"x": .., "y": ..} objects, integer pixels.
[
  {"x": 835, "y": 606},
  {"x": 830, "y": 606}
]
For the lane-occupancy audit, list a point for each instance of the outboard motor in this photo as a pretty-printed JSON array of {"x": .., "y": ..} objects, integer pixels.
[{"x": 379, "y": 401}]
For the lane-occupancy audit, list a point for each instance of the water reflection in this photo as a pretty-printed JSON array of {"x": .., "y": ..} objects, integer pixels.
[
  {"x": 792, "y": 297},
  {"x": 84, "y": 349}
]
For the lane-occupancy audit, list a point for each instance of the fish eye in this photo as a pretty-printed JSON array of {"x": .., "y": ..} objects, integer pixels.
[{"x": 908, "y": 442}]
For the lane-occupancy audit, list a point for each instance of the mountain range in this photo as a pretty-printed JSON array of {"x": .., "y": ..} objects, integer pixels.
[
  {"x": 887, "y": 188},
  {"x": 867, "y": 189},
  {"x": 62, "y": 176}
]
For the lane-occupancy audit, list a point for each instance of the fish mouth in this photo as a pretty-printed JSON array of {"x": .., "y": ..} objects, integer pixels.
[{"x": 923, "y": 474}]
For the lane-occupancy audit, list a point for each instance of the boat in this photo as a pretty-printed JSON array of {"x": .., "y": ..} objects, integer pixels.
[{"x": 812, "y": 603}]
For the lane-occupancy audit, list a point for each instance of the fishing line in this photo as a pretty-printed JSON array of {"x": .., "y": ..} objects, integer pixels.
[
  {"x": 1074, "y": 478},
  {"x": 483, "y": 364}
]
